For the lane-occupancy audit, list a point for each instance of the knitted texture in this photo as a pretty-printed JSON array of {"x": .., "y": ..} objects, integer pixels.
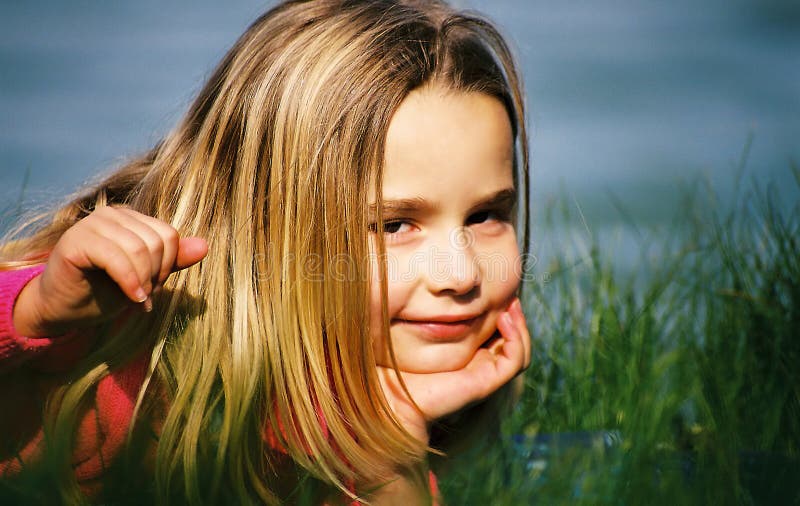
[
  {"x": 103, "y": 426},
  {"x": 13, "y": 346}
]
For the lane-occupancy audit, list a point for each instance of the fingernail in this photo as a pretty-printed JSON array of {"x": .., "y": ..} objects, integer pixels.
[
  {"x": 140, "y": 294},
  {"x": 507, "y": 318},
  {"x": 148, "y": 304}
]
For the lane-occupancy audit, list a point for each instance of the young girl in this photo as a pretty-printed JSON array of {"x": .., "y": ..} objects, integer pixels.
[{"x": 314, "y": 274}]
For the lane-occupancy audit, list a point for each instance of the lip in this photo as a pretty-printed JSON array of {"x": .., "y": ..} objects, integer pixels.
[{"x": 444, "y": 327}]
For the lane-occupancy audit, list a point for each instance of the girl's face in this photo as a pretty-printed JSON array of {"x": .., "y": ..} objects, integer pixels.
[{"x": 453, "y": 264}]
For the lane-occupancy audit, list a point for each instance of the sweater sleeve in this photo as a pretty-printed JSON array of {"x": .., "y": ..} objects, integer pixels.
[{"x": 15, "y": 348}]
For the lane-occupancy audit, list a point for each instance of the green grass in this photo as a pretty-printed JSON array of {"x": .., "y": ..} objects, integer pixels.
[{"x": 673, "y": 381}]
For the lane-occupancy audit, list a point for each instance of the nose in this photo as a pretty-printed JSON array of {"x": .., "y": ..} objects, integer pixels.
[{"x": 453, "y": 267}]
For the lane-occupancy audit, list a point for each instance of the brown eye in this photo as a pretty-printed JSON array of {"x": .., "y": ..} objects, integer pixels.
[
  {"x": 479, "y": 217},
  {"x": 392, "y": 227},
  {"x": 487, "y": 215}
]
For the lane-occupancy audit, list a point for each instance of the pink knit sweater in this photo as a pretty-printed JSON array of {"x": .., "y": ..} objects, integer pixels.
[{"x": 103, "y": 427}]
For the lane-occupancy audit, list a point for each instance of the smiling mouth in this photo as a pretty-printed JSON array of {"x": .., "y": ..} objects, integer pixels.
[{"x": 440, "y": 330}]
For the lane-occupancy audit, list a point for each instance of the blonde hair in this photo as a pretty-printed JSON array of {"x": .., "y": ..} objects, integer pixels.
[{"x": 272, "y": 164}]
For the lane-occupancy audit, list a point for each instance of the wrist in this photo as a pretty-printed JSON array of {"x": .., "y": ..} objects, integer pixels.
[{"x": 26, "y": 313}]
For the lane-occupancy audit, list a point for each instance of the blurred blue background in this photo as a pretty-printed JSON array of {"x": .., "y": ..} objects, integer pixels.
[{"x": 626, "y": 97}]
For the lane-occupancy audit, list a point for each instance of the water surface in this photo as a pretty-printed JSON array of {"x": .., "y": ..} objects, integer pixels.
[{"x": 626, "y": 97}]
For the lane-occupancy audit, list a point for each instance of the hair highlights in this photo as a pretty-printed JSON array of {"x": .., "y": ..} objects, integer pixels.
[{"x": 272, "y": 164}]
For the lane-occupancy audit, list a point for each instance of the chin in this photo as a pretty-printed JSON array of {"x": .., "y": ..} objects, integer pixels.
[{"x": 439, "y": 358}]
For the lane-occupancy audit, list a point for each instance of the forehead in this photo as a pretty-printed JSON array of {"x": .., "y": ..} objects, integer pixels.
[{"x": 445, "y": 145}]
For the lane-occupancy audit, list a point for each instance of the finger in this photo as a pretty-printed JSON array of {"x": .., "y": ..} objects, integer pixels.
[
  {"x": 190, "y": 251},
  {"x": 168, "y": 236},
  {"x": 512, "y": 325},
  {"x": 108, "y": 256},
  {"x": 179, "y": 252},
  {"x": 144, "y": 227},
  {"x": 507, "y": 352},
  {"x": 131, "y": 243},
  {"x": 522, "y": 325}
]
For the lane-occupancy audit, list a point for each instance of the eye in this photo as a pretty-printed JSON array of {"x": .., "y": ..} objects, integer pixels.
[
  {"x": 487, "y": 215},
  {"x": 392, "y": 227},
  {"x": 395, "y": 227}
]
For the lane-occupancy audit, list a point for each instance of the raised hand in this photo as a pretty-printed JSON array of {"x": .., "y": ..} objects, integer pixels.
[
  {"x": 440, "y": 394},
  {"x": 113, "y": 258}
]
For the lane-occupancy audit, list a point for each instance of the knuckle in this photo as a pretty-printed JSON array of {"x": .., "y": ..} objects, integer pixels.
[
  {"x": 156, "y": 245},
  {"x": 139, "y": 248},
  {"x": 171, "y": 235}
]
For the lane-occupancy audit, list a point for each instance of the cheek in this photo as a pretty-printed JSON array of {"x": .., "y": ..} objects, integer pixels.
[
  {"x": 401, "y": 278},
  {"x": 501, "y": 267},
  {"x": 515, "y": 276}
]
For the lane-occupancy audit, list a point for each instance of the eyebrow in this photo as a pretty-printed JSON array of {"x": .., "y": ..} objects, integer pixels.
[{"x": 505, "y": 198}]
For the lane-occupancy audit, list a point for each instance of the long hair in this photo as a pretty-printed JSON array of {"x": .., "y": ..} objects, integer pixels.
[{"x": 272, "y": 164}]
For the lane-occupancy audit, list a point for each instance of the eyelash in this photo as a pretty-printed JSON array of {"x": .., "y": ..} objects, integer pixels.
[{"x": 499, "y": 214}]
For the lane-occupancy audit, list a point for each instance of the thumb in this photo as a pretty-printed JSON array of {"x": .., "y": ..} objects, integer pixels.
[{"x": 190, "y": 251}]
